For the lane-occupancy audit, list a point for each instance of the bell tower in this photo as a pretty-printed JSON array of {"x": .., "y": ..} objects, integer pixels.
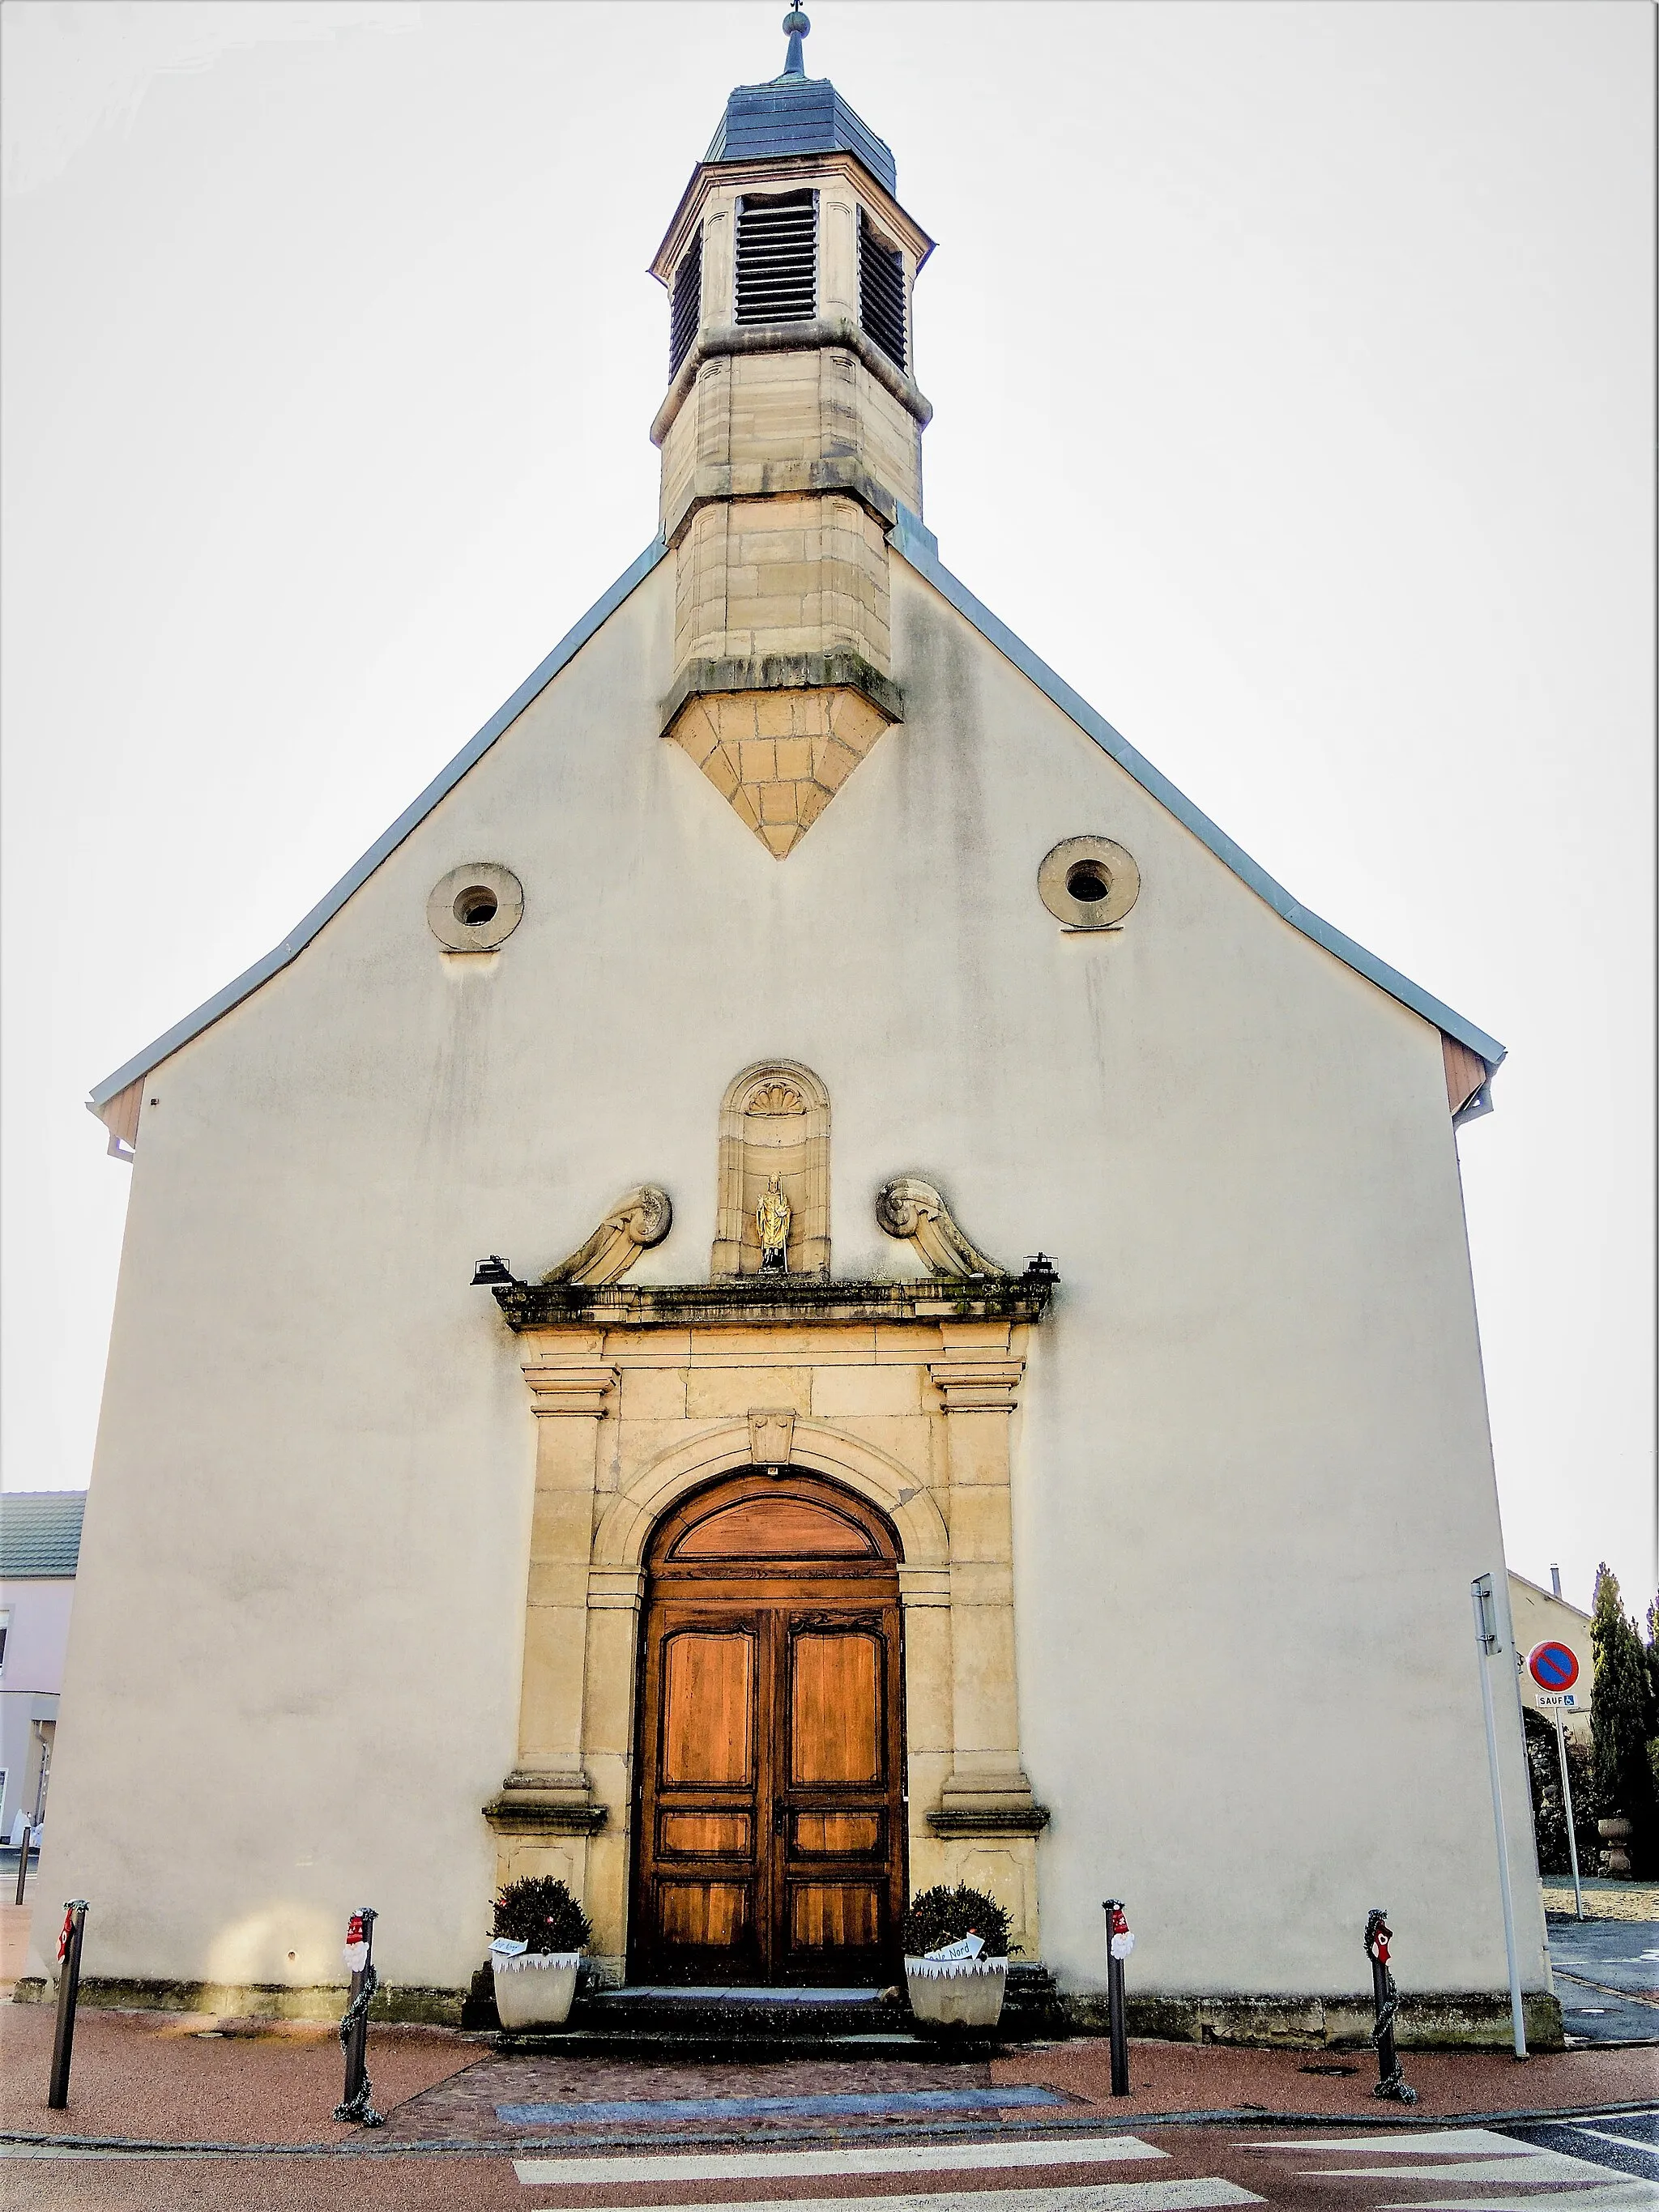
[{"x": 791, "y": 438}]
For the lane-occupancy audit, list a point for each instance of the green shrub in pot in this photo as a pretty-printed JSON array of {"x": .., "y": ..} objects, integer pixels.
[
  {"x": 958, "y": 1993},
  {"x": 540, "y": 1934},
  {"x": 539, "y": 1912},
  {"x": 940, "y": 1916}
]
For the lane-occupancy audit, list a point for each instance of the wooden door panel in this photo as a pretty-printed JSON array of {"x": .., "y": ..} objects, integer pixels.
[
  {"x": 838, "y": 1835},
  {"x": 706, "y": 1915},
  {"x": 708, "y": 1709},
  {"x": 836, "y": 1917},
  {"x": 834, "y": 1707},
  {"x": 775, "y": 1527},
  {"x": 706, "y": 1835}
]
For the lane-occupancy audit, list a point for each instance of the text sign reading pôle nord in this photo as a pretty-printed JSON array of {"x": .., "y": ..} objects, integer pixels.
[{"x": 1553, "y": 1666}]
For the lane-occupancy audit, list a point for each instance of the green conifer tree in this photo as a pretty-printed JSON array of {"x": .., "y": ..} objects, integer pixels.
[{"x": 1622, "y": 1718}]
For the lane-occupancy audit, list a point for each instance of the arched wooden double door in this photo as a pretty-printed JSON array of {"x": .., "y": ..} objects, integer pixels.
[{"x": 769, "y": 1809}]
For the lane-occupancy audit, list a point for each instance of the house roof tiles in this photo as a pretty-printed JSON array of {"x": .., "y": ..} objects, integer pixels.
[{"x": 41, "y": 1534}]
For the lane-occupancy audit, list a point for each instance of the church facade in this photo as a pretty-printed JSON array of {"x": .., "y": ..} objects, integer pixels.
[{"x": 804, "y": 1284}]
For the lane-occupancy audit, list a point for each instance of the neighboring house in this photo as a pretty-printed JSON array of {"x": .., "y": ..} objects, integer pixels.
[
  {"x": 39, "y": 1549},
  {"x": 767, "y": 1558},
  {"x": 1542, "y": 1616}
]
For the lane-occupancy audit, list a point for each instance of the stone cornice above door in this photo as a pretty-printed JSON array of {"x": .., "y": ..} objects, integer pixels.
[{"x": 772, "y": 1301}]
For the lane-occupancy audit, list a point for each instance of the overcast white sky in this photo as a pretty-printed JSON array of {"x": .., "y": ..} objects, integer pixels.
[{"x": 1292, "y": 368}]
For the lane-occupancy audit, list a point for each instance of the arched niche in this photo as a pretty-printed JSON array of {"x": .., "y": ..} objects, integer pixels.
[{"x": 775, "y": 1121}]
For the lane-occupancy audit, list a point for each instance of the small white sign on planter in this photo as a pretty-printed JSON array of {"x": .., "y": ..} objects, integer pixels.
[{"x": 956, "y": 1986}]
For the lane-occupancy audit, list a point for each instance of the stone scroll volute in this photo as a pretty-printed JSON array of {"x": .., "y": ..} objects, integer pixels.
[
  {"x": 915, "y": 1212},
  {"x": 637, "y": 1221}
]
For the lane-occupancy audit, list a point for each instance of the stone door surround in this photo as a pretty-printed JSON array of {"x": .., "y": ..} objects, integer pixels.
[{"x": 903, "y": 1393}]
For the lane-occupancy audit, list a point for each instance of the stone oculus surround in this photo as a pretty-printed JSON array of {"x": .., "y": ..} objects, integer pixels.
[{"x": 788, "y": 451}]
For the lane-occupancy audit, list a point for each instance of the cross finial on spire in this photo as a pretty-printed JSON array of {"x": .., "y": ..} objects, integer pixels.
[{"x": 798, "y": 24}]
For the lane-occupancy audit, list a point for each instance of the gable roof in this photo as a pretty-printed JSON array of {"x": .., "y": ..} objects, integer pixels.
[
  {"x": 916, "y": 544},
  {"x": 919, "y": 548},
  {"x": 41, "y": 1534}
]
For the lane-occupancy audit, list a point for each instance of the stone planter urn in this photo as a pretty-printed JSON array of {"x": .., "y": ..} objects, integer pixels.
[
  {"x": 1615, "y": 1834},
  {"x": 957, "y": 1993},
  {"x": 533, "y": 1989}
]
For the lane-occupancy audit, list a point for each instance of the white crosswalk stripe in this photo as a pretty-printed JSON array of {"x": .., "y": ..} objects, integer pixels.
[
  {"x": 1091, "y": 2197},
  {"x": 1510, "y": 2175},
  {"x": 789, "y": 2164}
]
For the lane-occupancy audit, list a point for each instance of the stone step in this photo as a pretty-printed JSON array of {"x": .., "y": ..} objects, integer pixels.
[
  {"x": 799, "y": 2020},
  {"x": 711, "y": 2045}
]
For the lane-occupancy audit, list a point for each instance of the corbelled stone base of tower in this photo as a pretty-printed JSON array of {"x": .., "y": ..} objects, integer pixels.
[{"x": 779, "y": 755}]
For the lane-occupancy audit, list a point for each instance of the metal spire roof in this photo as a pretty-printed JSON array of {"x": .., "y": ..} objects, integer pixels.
[{"x": 793, "y": 114}]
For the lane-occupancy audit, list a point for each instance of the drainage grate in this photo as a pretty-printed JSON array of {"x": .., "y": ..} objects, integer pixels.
[{"x": 777, "y": 257}]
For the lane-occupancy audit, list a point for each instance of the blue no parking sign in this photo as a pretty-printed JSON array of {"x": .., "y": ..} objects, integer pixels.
[{"x": 1553, "y": 1666}]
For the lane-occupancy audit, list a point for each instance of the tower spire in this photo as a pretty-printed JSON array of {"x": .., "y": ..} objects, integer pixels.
[{"x": 797, "y": 23}]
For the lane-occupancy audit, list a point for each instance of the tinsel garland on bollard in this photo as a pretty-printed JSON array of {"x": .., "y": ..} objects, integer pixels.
[
  {"x": 1393, "y": 2083},
  {"x": 354, "y": 2024}
]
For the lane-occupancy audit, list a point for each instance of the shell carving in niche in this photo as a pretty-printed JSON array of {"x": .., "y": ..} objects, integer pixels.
[{"x": 775, "y": 1099}]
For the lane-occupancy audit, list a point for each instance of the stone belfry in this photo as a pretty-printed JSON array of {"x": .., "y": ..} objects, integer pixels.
[{"x": 791, "y": 438}]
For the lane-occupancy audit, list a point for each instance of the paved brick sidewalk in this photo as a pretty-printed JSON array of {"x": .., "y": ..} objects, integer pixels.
[{"x": 152, "y": 2076}]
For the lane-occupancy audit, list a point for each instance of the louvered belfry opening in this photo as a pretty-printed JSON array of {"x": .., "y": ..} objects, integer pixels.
[
  {"x": 777, "y": 257},
  {"x": 685, "y": 308},
  {"x": 881, "y": 291}
]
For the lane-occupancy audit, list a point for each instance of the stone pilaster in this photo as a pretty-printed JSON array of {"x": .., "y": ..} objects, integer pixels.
[
  {"x": 987, "y": 1791},
  {"x": 549, "y": 1791}
]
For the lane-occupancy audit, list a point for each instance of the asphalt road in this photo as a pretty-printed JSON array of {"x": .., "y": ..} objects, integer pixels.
[{"x": 1606, "y": 1976}]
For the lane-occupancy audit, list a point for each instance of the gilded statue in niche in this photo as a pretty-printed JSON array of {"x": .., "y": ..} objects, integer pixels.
[
  {"x": 773, "y": 1146},
  {"x": 772, "y": 1226}
]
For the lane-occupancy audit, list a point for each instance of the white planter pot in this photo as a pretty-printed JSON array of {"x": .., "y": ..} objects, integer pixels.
[
  {"x": 957, "y": 1992},
  {"x": 535, "y": 1990}
]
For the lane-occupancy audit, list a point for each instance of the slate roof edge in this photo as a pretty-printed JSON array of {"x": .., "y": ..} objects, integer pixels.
[
  {"x": 413, "y": 815},
  {"x": 917, "y": 546}
]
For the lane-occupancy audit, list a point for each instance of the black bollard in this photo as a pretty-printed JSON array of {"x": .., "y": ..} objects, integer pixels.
[
  {"x": 1119, "y": 1943},
  {"x": 23, "y": 1862},
  {"x": 354, "y": 2027},
  {"x": 1391, "y": 2083},
  {"x": 69, "y": 1992}
]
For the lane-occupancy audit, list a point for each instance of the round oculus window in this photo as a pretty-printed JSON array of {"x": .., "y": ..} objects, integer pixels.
[
  {"x": 475, "y": 908},
  {"x": 1089, "y": 882}
]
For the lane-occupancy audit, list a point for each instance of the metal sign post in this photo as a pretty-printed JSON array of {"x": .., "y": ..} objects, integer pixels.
[
  {"x": 1487, "y": 1642},
  {"x": 1566, "y": 1802},
  {"x": 23, "y": 1861},
  {"x": 1119, "y": 1944},
  {"x": 1554, "y": 1667},
  {"x": 68, "y": 1993}
]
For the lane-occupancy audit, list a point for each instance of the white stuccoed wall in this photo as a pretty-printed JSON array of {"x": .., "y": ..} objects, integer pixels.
[{"x": 1253, "y": 1477}]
